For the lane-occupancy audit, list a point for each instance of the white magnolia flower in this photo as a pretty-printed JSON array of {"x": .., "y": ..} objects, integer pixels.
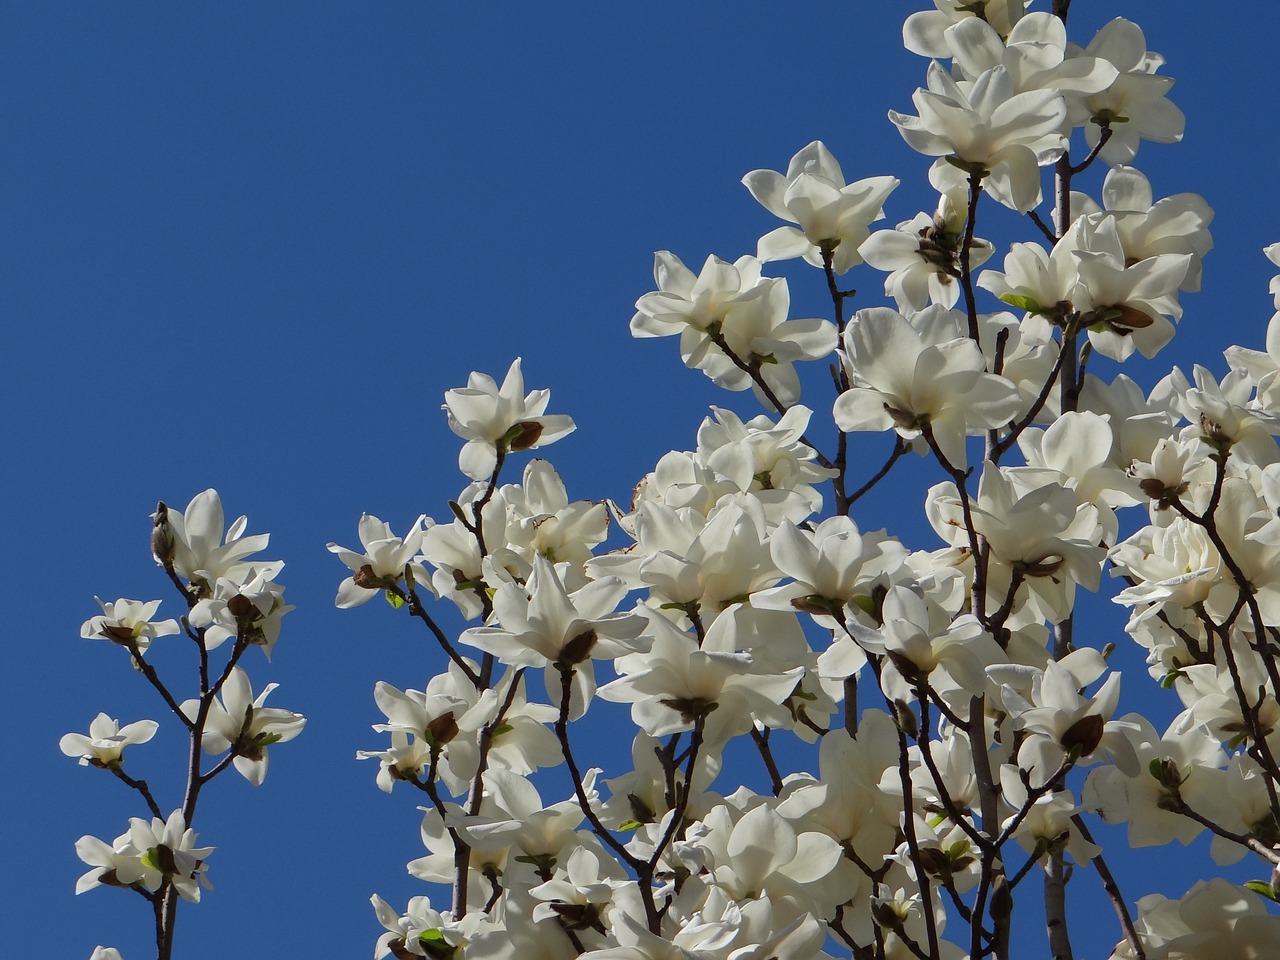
[
  {"x": 128, "y": 623},
  {"x": 925, "y": 32},
  {"x": 200, "y": 551},
  {"x": 1149, "y": 227},
  {"x": 1215, "y": 919},
  {"x": 104, "y": 746},
  {"x": 251, "y": 610},
  {"x": 383, "y": 562},
  {"x": 730, "y": 306},
  {"x": 1034, "y": 52},
  {"x": 242, "y": 724},
  {"x": 1135, "y": 106},
  {"x": 920, "y": 374},
  {"x": 923, "y": 255},
  {"x": 150, "y": 854},
  {"x": 420, "y": 931},
  {"x": 990, "y": 129},
  {"x": 493, "y": 419},
  {"x": 831, "y": 216},
  {"x": 1062, "y": 726}
]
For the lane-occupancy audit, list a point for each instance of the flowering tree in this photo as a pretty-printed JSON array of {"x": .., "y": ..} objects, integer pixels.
[
  {"x": 229, "y": 596},
  {"x": 933, "y": 734}
]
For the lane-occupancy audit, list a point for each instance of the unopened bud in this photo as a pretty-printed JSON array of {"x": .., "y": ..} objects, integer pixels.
[{"x": 161, "y": 535}]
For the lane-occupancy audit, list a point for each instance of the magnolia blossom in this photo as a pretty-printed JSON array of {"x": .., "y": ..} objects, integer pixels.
[
  {"x": 543, "y": 625},
  {"x": 383, "y": 563},
  {"x": 1149, "y": 227},
  {"x": 832, "y": 216},
  {"x": 493, "y": 420},
  {"x": 923, "y": 645},
  {"x": 728, "y": 317},
  {"x": 680, "y": 684},
  {"x": 1040, "y": 538},
  {"x": 920, "y": 375},
  {"x": 251, "y": 611},
  {"x": 1135, "y": 106},
  {"x": 1034, "y": 52},
  {"x": 419, "y": 932},
  {"x": 992, "y": 130},
  {"x": 242, "y": 724},
  {"x": 150, "y": 854},
  {"x": 925, "y": 32},
  {"x": 1214, "y": 919},
  {"x": 129, "y": 623},
  {"x": 1226, "y": 418},
  {"x": 768, "y": 459},
  {"x": 198, "y": 549},
  {"x": 104, "y": 746},
  {"x": 1064, "y": 727},
  {"x": 1180, "y": 767},
  {"x": 1124, "y": 306},
  {"x": 923, "y": 255}
]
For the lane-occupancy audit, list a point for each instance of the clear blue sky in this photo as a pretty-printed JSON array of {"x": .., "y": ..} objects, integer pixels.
[{"x": 249, "y": 246}]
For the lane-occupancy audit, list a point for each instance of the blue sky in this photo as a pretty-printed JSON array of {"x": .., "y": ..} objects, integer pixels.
[{"x": 251, "y": 245}]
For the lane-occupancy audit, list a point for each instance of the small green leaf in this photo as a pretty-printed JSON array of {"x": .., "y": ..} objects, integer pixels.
[
  {"x": 1156, "y": 769},
  {"x": 431, "y": 936},
  {"x": 628, "y": 825},
  {"x": 501, "y": 729},
  {"x": 1262, "y": 888},
  {"x": 395, "y": 599},
  {"x": 1169, "y": 679},
  {"x": 1030, "y": 304}
]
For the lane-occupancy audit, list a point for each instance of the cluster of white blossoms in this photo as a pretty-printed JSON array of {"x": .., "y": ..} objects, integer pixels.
[
  {"x": 736, "y": 608},
  {"x": 959, "y": 731},
  {"x": 964, "y": 733},
  {"x": 230, "y": 596}
]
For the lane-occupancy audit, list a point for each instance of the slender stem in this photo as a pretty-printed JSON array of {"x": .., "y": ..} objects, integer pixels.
[
  {"x": 142, "y": 788},
  {"x": 913, "y": 843},
  {"x": 899, "y": 448},
  {"x": 1113, "y": 892},
  {"x": 766, "y": 754},
  {"x": 1055, "y": 907},
  {"x": 414, "y": 602}
]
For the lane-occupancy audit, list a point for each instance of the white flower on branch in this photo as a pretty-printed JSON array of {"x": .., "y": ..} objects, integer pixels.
[
  {"x": 832, "y": 217},
  {"x": 104, "y": 746},
  {"x": 493, "y": 420}
]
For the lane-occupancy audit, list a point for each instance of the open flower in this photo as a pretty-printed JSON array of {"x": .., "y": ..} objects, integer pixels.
[
  {"x": 832, "y": 217},
  {"x": 383, "y": 562},
  {"x": 201, "y": 552},
  {"x": 241, "y": 724},
  {"x": 1136, "y": 105},
  {"x": 151, "y": 853},
  {"x": 104, "y": 746},
  {"x": 989, "y": 129},
  {"x": 923, "y": 255},
  {"x": 495, "y": 419},
  {"x": 128, "y": 623},
  {"x": 920, "y": 375},
  {"x": 731, "y": 307}
]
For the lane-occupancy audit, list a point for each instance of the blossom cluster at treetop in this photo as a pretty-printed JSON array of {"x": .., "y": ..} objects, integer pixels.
[{"x": 962, "y": 734}]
